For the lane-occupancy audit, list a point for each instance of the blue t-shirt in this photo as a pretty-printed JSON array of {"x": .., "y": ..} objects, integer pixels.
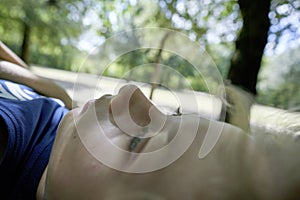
[{"x": 32, "y": 121}]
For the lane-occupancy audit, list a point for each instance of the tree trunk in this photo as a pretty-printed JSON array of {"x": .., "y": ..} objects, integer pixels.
[
  {"x": 25, "y": 43},
  {"x": 246, "y": 60}
]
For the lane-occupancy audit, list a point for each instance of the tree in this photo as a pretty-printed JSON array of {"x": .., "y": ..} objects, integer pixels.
[
  {"x": 246, "y": 60},
  {"x": 250, "y": 20},
  {"x": 41, "y": 27}
]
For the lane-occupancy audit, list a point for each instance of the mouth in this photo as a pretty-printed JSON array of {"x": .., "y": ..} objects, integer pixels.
[
  {"x": 86, "y": 106},
  {"x": 93, "y": 102}
]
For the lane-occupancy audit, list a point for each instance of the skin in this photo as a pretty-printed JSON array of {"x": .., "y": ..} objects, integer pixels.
[
  {"x": 238, "y": 167},
  {"x": 17, "y": 74},
  {"x": 8, "y": 55},
  {"x": 12, "y": 68},
  {"x": 75, "y": 173}
]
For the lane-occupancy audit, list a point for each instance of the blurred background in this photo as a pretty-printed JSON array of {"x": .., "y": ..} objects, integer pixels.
[{"x": 255, "y": 44}]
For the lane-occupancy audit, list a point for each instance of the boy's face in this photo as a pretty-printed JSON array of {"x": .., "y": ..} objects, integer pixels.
[
  {"x": 95, "y": 143},
  {"x": 95, "y": 157}
]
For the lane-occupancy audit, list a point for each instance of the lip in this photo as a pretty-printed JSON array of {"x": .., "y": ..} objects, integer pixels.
[
  {"x": 86, "y": 106},
  {"x": 92, "y": 102}
]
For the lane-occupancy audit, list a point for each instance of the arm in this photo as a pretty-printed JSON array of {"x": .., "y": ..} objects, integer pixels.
[
  {"x": 15, "y": 73},
  {"x": 10, "y": 56}
]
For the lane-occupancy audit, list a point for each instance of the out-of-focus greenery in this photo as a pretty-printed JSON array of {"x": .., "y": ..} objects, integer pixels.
[
  {"x": 280, "y": 80},
  {"x": 59, "y": 28},
  {"x": 53, "y": 27},
  {"x": 176, "y": 72}
]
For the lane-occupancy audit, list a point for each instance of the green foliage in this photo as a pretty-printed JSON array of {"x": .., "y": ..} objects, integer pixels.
[
  {"x": 201, "y": 18},
  {"x": 214, "y": 24},
  {"x": 175, "y": 72},
  {"x": 57, "y": 26},
  {"x": 283, "y": 72},
  {"x": 53, "y": 25}
]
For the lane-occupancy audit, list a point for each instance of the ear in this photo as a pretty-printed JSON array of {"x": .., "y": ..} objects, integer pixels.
[{"x": 238, "y": 107}]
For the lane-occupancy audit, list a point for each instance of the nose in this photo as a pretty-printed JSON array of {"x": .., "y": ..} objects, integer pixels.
[
  {"x": 86, "y": 106},
  {"x": 134, "y": 113},
  {"x": 129, "y": 89},
  {"x": 122, "y": 95},
  {"x": 132, "y": 101}
]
